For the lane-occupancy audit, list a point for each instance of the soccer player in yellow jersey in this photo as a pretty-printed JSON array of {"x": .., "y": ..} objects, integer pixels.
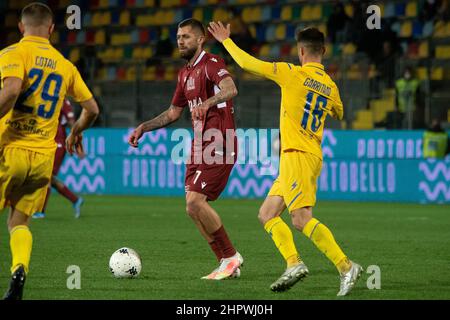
[
  {"x": 308, "y": 96},
  {"x": 35, "y": 79}
]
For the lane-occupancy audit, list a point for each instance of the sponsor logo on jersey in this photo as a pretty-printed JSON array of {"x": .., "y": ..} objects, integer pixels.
[{"x": 10, "y": 66}]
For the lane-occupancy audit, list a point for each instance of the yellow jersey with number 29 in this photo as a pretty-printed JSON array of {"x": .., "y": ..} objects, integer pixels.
[
  {"x": 308, "y": 95},
  {"x": 47, "y": 78}
]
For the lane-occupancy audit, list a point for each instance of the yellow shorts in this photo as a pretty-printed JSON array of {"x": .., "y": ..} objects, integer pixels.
[
  {"x": 297, "y": 181},
  {"x": 24, "y": 179}
]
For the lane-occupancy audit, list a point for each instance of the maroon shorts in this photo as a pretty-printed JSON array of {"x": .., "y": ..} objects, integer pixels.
[
  {"x": 59, "y": 158},
  {"x": 210, "y": 179},
  {"x": 207, "y": 179}
]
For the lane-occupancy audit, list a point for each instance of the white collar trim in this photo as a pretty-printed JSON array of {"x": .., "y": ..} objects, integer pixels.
[{"x": 199, "y": 58}]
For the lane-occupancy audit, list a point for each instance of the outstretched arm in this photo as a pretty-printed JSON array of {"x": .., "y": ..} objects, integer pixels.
[{"x": 164, "y": 119}]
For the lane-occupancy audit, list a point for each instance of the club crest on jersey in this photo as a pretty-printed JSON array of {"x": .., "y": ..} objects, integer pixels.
[
  {"x": 190, "y": 84},
  {"x": 214, "y": 59}
]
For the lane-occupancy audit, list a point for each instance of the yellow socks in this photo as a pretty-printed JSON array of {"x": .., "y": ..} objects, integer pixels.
[
  {"x": 319, "y": 234},
  {"x": 20, "y": 242},
  {"x": 324, "y": 240},
  {"x": 282, "y": 236}
]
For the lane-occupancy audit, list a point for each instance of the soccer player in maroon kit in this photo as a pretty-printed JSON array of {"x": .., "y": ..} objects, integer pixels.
[
  {"x": 66, "y": 119},
  {"x": 207, "y": 88}
]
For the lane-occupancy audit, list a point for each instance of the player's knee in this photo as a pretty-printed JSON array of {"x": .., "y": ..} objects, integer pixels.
[
  {"x": 195, "y": 202},
  {"x": 193, "y": 207},
  {"x": 17, "y": 218},
  {"x": 264, "y": 215},
  {"x": 298, "y": 223},
  {"x": 300, "y": 218}
]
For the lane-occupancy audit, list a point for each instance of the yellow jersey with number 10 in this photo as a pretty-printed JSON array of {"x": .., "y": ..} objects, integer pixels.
[
  {"x": 47, "y": 78},
  {"x": 308, "y": 95}
]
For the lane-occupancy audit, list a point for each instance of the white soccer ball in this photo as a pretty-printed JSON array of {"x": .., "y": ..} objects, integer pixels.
[{"x": 125, "y": 263}]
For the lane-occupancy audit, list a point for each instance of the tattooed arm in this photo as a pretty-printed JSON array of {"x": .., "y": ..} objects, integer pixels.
[
  {"x": 164, "y": 119},
  {"x": 227, "y": 91}
]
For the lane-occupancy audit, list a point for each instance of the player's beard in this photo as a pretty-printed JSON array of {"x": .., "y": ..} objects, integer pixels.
[{"x": 188, "y": 54}]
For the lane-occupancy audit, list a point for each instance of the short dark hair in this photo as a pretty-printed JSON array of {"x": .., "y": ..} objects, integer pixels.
[
  {"x": 37, "y": 13},
  {"x": 194, "y": 23},
  {"x": 312, "y": 38}
]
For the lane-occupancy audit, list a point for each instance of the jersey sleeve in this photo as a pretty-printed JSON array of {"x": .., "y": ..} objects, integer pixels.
[
  {"x": 12, "y": 64},
  {"x": 216, "y": 70},
  {"x": 279, "y": 72},
  {"x": 337, "y": 109},
  {"x": 78, "y": 88},
  {"x": 179, "y": 99}
]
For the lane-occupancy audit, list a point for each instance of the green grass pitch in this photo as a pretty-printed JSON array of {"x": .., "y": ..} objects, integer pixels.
[{"x": 410, "y": 243}]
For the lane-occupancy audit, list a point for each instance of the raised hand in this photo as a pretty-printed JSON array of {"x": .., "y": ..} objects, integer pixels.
[{"x": 219, "y": 31}]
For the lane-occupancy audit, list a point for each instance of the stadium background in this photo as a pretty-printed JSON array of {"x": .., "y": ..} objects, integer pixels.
[{"x": 126, "y": 50}]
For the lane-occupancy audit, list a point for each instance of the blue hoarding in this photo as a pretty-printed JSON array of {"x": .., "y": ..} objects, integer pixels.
[{"x": 358, "y": 165}]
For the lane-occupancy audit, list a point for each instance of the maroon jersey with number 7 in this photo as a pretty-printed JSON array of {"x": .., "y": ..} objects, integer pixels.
[{"x": 197, "y": 83}]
